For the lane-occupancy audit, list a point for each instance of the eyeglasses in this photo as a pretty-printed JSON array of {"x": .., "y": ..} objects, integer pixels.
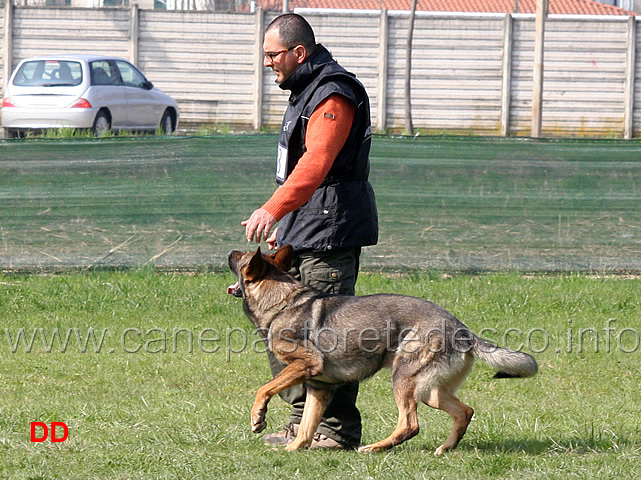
[{"x": 272, "y": 55}]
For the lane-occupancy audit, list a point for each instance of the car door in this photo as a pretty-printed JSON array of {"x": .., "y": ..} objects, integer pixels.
[
  {"x": 143, "y": 110},
  {"x": 108, "y": 91}
]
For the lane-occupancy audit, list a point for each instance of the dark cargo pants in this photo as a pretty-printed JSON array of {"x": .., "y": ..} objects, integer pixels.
[{"x": 330, "y": 272}]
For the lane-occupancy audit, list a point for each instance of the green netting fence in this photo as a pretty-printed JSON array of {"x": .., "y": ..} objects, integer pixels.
[{"x": 447, "y": 203}]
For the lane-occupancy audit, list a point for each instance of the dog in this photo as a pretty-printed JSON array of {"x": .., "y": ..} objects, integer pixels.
[{"x": 327, "y": 340}]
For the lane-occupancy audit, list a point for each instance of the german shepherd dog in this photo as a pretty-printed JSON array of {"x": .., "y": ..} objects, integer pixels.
[{"x": 326, "y": 340}]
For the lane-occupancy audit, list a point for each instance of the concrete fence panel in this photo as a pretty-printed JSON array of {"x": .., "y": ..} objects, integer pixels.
[{"x": 470, "y": 73}]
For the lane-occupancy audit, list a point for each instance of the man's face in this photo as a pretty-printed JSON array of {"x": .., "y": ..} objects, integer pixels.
[{"x": 281, "y": 59}]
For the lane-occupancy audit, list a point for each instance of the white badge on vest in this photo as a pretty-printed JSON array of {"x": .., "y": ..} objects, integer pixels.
[{"x": 281, "y": 164}]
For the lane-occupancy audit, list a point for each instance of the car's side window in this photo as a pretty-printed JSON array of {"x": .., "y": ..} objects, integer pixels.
[
  {"x": 104, "y": 72},
  {"x": 130, "y": 75}
]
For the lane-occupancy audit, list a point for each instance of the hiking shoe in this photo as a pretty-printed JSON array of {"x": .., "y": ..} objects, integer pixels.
[
  {"x": 323, "y": 441},
  {"x": 284, "y": 437},
  {"x": 288, "y": 434}
]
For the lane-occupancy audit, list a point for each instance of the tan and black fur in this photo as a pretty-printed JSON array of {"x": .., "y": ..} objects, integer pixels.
[{"x": 325, "y": 340}]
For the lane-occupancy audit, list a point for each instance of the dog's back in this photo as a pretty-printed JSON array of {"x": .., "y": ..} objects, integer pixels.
[{"x": 357, "y": 336}]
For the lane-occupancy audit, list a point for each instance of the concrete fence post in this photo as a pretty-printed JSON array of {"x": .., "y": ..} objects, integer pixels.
[
  {"x": 259, "y": 26},
  {"x": 630, "y": 70},
  {"x": 7, "y": 43},
  {"x": 506, "y": 72},
  {"x": 381, "y": 87},
  {"x": 134, "y": 33}
]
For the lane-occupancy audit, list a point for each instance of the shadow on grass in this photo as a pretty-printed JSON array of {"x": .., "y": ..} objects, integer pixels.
[{"x": 576, "y": 445}]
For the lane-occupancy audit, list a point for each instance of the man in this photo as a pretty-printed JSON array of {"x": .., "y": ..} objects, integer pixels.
[{"x": 324, "y": 203}]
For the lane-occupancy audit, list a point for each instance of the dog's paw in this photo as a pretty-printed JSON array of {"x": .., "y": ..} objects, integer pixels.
[
  {"x": 368, "y": 449},
  {"x": 259, "y": 427},
  {"x": 291, "y": 447},
  {"x": 258, "y": 421},
  {"x": 297, "y": 445},
  {"x": 440, "y": 451}
]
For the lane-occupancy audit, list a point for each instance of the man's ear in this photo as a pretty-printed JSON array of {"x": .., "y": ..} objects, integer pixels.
[
  {"x": 301, "y": 53},
  {"x": 256, "y": 266},
  {"x": 283, "y": 258}
]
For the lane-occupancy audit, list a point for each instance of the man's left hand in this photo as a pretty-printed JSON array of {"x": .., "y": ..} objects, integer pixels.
[{"x": 258, "y": 225}]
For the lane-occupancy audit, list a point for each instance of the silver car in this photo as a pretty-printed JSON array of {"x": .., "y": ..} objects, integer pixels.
[{"x": 86, "y": 92}]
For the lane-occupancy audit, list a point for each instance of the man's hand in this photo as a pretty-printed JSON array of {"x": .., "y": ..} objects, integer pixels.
[
  {"x": 258, "y": 226},
  {"x": 271, "y": 241}
]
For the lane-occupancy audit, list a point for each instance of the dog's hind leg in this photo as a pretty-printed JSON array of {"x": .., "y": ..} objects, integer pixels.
[
  {"x": 407, "y": 426},
  {"x": 315, "y": 403},
  {"x": 442, "y": 399}
]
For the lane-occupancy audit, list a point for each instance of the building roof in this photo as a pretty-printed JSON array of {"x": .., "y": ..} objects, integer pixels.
[{"x": 565, "y": 7}]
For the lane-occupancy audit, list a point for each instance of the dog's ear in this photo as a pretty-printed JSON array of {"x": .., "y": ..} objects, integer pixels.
[
  {"x": 256, "y": 266},
  {"x": 283, "y": 258}
]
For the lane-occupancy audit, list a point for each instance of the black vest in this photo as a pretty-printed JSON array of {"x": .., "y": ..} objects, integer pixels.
[{"x": 341, "y": 213}]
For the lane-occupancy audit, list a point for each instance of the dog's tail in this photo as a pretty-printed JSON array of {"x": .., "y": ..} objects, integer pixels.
[{"x": 509, "y": 363}]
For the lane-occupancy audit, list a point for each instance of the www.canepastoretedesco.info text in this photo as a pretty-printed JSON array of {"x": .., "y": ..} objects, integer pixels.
[
  {"x": 131, "y": 340},
  {"x": 607, "y": 338}
]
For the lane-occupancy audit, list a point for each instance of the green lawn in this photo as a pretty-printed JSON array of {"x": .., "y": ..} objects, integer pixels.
[{"x": 166, "y": 389}]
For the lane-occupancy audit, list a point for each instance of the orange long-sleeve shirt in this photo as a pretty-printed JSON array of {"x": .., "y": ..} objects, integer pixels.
[{"x": 327, "y": 131}]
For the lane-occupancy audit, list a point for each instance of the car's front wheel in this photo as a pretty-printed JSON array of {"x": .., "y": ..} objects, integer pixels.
[
  {"x": 102, "y": 124},
  {"x": 167, "y": 123}
]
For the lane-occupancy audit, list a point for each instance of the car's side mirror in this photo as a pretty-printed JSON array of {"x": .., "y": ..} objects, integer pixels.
[{"x": 147, "y": 85}]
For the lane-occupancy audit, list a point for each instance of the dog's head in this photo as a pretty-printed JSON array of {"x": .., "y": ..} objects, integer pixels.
[{"x": 252, "y": 267}]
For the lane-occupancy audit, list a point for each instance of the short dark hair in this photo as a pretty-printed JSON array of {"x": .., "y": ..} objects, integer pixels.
[{"x": 294, "y": 30}]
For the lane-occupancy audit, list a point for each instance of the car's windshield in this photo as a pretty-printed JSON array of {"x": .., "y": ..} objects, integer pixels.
[{"x": 49, "y": 73}]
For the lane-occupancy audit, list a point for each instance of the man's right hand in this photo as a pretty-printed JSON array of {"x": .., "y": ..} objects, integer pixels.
[{"x": 258, "y": 225}]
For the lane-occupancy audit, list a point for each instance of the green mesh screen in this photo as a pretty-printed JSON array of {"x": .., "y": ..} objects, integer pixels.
[{"x": 444, "y": 203}]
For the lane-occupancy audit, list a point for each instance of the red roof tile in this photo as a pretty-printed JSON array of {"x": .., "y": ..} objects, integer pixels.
[{"x": 568, "y": 7}]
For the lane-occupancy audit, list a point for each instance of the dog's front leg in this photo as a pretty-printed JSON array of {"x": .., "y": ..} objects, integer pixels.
[
  {"x": 315, "y": 403},
  {"x": 293, "y": 374}
]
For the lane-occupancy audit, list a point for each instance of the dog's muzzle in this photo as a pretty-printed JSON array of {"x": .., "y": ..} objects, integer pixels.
[
  {"x": 232, "y": 259},
  {"x": 235, "y": 290}
]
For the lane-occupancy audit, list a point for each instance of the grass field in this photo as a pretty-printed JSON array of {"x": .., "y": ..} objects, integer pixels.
[
  {"x": 158, "y": 375},
  {"x": 451, "y": 203},
  {"x": 155, "y": 373}
]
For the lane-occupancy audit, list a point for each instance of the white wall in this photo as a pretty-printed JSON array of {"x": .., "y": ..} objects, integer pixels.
[{"x": 461, "y": 83}]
